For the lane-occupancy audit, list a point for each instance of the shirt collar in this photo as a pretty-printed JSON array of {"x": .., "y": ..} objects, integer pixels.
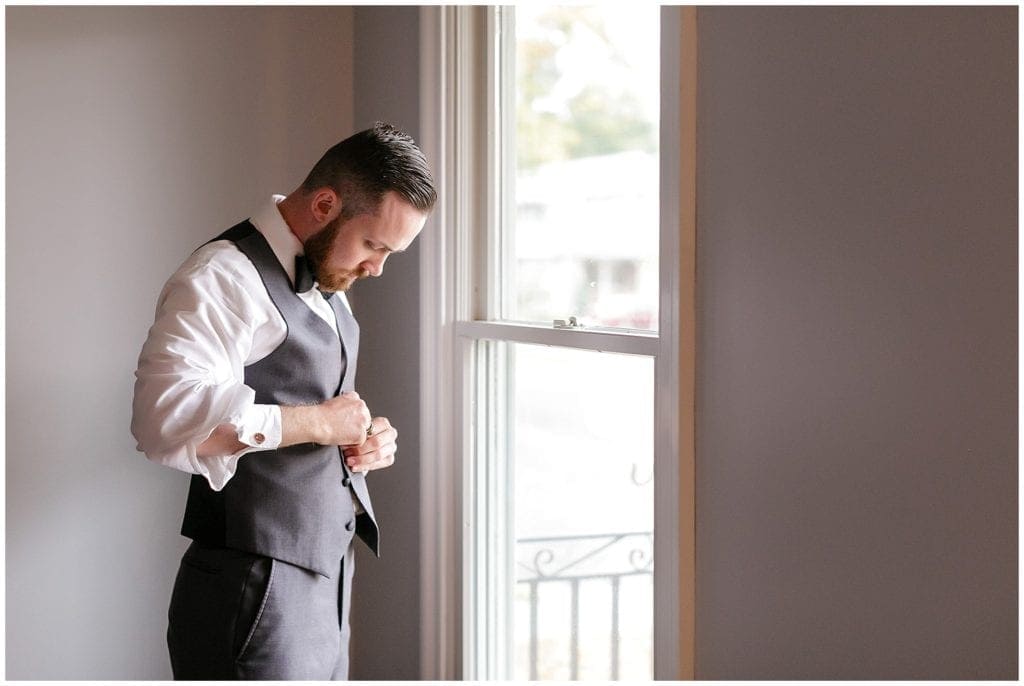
[{"x": 269, "y": 222}]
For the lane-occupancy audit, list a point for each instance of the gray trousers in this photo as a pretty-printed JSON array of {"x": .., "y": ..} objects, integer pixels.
[{"x": 236, "y": 615}]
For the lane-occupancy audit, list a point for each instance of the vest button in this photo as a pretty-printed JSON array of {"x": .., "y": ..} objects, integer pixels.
[
  {"x": 350, "y": 525},
  {"x": 346, "y": 481}
]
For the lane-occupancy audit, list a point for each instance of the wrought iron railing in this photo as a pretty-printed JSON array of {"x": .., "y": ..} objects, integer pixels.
[{"x": 573, "y": 560}]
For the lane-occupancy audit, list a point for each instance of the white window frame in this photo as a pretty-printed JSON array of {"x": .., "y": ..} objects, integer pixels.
[{"x": 457, "y": 142}]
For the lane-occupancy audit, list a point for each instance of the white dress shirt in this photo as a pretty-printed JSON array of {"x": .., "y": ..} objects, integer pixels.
[{"x": 213, "y": 318}]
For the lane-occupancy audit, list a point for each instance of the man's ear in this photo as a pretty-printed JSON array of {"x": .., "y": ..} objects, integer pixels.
[{"x": 325, "y": 205}]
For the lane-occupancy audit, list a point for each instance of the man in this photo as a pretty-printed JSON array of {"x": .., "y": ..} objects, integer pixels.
[{"x": 247, "y": 381}]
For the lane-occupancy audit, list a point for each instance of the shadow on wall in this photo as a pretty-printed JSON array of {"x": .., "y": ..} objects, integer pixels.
[{"x": 134, "y": 135}]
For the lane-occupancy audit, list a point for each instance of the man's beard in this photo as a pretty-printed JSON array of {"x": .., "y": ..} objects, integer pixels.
[{"x": 318, "y": 247}]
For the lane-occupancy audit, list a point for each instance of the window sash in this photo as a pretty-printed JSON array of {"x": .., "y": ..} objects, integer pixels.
[
  {"x": 596, "y": 339},
  {"x": 461, "y": 316},
  {"x": 493, "y": 245}
]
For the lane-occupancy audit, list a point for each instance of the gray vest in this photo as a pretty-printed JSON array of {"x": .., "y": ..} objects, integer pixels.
[{"x": 291, "y": 504}]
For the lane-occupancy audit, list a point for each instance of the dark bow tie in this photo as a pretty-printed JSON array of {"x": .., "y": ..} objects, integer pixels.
[{"x": 304, "y": 279}]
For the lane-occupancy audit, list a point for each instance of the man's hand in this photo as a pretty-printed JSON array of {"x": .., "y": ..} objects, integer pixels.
[
  {"x": 346, "y": 418},
  {"x": 377, "y": 451},
  {"x": 342, "y": 420}
]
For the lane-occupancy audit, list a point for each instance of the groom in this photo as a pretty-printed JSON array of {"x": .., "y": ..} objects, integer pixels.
[{"x": 247, "y": 381}]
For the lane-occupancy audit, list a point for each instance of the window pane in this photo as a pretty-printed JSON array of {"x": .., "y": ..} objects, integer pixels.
[
  {"x": 585, "y": 238},
  {"x": 582, "y": 450}
]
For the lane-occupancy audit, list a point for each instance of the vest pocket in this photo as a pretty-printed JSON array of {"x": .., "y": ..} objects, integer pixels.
[{"x": 255, "y": 593}]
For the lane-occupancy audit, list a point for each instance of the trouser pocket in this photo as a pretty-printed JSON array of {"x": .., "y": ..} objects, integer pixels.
[
  {"x": 215, "y": 606},
  {"x": 255, "y": 593}
]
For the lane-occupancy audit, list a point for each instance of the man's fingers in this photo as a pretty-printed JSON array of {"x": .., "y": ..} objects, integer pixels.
[
  {"x": 377, "y": 451},
  {"x": 382, "y": 457},
  {"x": 382, "y": 423},
  {"x": 383, "y": 462},
  {"x": 372, "y": 444},
  {"x": 379, "y": 464},
  {"x": 360, "y": 455}
]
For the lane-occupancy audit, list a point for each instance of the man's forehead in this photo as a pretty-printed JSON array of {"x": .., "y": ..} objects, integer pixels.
[{"x": 397, "y": 224}]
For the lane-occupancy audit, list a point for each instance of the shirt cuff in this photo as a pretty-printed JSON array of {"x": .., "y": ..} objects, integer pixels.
[{"x": 258, "y": 427}]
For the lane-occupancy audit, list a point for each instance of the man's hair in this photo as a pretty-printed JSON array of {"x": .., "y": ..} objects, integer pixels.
[{"x": 366, "y": 165}]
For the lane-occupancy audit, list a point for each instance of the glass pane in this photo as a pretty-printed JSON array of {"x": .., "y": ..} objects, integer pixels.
[
  {"x": 582, "y": 450},
  {"x": 585, "y": 237}
]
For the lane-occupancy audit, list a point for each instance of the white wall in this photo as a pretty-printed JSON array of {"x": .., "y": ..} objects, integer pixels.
[{"x": 133, "y": 135}]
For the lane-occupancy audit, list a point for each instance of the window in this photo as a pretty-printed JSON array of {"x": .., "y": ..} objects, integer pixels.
[{"x": 556, "y": 262}]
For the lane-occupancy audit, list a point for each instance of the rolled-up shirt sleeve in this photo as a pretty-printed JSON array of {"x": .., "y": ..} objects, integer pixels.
[{"x": 190, "y": 376}]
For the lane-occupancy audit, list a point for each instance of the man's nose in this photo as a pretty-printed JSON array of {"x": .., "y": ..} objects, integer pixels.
[{"x": 375, "y": 266}]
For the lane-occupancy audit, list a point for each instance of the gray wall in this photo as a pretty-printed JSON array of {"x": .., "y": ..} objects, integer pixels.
[
  {"x": 857, "y": 351},
  {"x": 133, "y": 134},
  {"x": 385, "y": 610}
]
